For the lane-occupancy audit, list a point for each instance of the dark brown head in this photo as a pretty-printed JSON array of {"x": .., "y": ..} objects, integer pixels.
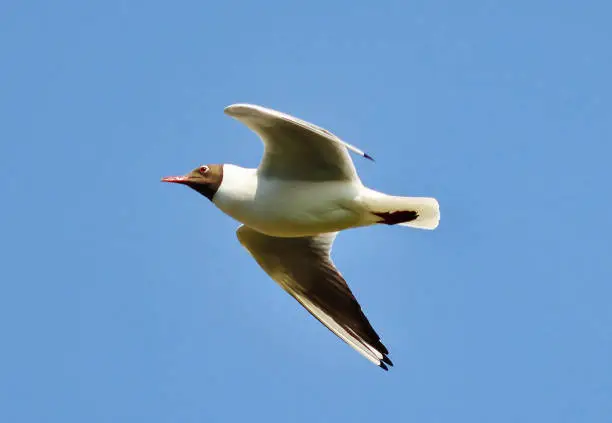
[{"x": 205, "y": 179}]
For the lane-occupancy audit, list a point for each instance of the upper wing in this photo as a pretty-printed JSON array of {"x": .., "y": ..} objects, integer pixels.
[
  {"x": 303, "y": 268},
  {"x": 295, "y": 149}
]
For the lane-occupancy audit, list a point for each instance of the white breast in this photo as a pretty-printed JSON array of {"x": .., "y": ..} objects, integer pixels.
[{"x": 287, "y": 208}]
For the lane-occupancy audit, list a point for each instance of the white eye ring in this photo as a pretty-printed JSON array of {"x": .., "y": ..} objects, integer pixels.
[{"x": 204, "y": 170}]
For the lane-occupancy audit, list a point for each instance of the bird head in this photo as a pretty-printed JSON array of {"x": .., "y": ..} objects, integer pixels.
[{"x": 205, "y": 179}]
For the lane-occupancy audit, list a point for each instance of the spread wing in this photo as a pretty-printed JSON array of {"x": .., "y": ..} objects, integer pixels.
[
  {"x": 295, "y": 149},
  {"x": 303, "y": 268}
]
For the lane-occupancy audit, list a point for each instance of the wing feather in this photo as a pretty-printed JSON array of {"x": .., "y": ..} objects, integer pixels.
[
  {"x": 303, "y": 268},
  {"x": 295, "y": 149}
]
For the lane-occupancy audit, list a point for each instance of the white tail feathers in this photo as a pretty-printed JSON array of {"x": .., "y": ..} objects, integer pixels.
[{"x": 416, "y": 212}]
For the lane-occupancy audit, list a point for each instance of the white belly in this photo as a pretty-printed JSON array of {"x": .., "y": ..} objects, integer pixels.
[{"x": 291, "y": 209}]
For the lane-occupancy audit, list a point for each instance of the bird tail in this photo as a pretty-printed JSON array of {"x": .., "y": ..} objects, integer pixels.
[{"x": 416, "y": 212}]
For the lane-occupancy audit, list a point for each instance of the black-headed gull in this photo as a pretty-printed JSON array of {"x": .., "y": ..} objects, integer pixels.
[{"x": 305, "y": 191}]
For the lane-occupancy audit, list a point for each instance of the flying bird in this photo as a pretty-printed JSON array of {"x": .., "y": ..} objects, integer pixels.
[{"x": 304, "y": 191}]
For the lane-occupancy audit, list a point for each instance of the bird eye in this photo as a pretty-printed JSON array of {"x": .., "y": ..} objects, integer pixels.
[{"x": 204, "y": 170}]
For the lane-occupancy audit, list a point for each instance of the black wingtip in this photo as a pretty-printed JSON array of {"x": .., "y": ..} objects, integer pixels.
[
  {"x": 387, "y": 360},
  {"x": 383, "y": 366},
  {"x": 367, "y": 156}
]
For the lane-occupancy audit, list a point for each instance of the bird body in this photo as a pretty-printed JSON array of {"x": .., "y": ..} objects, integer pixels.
[
  {"x": 289, "y": 208},
  {"x": 304, "y": 191}
]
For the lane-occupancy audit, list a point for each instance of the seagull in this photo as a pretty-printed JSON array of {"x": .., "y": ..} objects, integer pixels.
[{"x": 291, "y": 207}]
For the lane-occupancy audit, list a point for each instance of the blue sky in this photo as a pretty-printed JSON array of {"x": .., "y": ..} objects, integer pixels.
[{"x": 124, "y": 299}]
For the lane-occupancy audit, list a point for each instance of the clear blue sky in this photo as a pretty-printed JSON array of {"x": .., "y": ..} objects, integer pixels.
[{"x": 124, "y": 299}]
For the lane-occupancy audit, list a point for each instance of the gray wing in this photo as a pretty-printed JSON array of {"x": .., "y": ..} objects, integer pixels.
[
  {"x": 295, "y": 149},
  {"x": 303, "y": 268}
]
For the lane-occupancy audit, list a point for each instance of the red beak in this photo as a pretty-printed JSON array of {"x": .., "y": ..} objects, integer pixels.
[{"x": 176, "y": 179}]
